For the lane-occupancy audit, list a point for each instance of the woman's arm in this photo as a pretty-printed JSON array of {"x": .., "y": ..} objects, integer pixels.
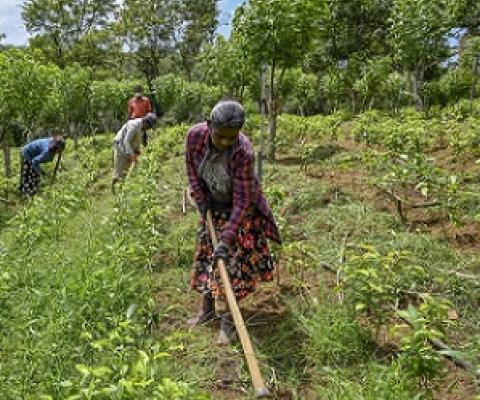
[
  {"x": 45, "y": 156},
  {"x": 197, "y": 191}
]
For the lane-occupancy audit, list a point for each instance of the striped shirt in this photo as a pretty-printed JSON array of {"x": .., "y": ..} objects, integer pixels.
[{"x": 245, "y": 184}]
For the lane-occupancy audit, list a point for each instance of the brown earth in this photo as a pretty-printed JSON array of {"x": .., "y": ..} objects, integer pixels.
[{"x": 465, "y": 238}]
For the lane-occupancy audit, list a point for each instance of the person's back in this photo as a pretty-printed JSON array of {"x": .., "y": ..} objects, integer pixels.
[
  {"x": 134, "y": 127},
  {"x": 35, "y": 148},
  {"x": 126, "y": 145},
  {"x": 33, "y": 154}
]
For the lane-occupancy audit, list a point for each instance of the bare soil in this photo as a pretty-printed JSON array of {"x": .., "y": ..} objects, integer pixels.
[{"x": 465, "y": 238}]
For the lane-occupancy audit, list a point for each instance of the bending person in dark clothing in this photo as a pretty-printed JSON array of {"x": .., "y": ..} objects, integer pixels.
[{"x": 33, "y": 154}]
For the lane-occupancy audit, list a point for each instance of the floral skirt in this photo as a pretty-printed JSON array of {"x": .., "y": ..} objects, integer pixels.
[
  {"x": 250, "y": 261},
  {"x": 29, "y": 179}
]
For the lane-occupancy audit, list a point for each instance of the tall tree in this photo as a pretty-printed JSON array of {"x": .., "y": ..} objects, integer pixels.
[
  {"x": 347, "y": 28},
  {"x": 62, "y": 23},
  {"x": 226, "y": 64},
  {"x": 418, "y": 38},
  {"x": 348, "y": 34},
  {"x": 24, "y": 85},
  {"x": 148, "y": 27},
  {"x": 276, "y": 33},
  {"x": 467, "y": 15},
  {"x": 102, "y": 51},
  {"x": 195, "y": 26}
]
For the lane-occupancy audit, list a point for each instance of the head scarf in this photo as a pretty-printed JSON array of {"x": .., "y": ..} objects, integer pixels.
[
  {"x": 150, "y": 119},
  {"x": 228, "y": 114}
]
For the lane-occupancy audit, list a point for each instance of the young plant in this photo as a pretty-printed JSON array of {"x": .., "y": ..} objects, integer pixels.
[
  {"x": 376, "y": 283},
  {"x": 418, "y": 357}
]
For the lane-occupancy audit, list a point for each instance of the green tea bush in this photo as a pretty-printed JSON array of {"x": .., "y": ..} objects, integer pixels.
[
  {"x": 366, "y": 126},
  {"x": 296, "y": 132},
  {"x": 418, "y": 358},
  {"x": 300, "y": 92},
  {"x": 78, "y": 314},
  {"x": 108, "y": 106},
  {"x": 376, "y": 282},
  {"x": 184, "y": 101}
]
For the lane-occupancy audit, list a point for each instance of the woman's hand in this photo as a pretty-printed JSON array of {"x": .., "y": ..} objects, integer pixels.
[
  {"x": 203, "y": 208},
  {"x": 221, "y": 251}
]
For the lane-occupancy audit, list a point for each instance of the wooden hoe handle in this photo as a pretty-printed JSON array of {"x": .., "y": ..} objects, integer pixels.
[
  {"x": 57, "y": 165},
  {"x": 261, "y": 390},
  {"x": 130, "y": 169}
]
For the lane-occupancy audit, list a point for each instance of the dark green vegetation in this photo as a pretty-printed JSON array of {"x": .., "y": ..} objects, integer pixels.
[
  {"x": 317, "y": 56},
  {"x": 95, "y": 288}
]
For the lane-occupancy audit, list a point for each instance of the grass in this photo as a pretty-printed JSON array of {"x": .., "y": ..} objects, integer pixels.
[
  {"x": 78, "y": 297},
  {"x": 335, "y": 339},
  {"x": 300, "y": 331},
  {"x": 95, "y": 292}
]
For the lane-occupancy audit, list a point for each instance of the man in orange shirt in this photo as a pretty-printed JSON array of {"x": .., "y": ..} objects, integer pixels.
[{"x": 138, "y": 107}]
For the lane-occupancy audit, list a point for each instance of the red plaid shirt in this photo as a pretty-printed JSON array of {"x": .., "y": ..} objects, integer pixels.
[{"x": 246, "y": 187}]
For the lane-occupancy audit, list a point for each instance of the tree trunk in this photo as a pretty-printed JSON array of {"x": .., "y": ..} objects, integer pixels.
[
  {"x": 417, "y": 86},
  {"x": 242, "y": 92},
  {"x": 155, "y": 104},
  {"x": 7, "y": 159},
  {"x": 6, "y": 154},
  {"x": 272, "y": 115},
  {"x": 475, "y": 81},
  {"x": 396, "y": 104},
  {"x": 59, "y": 51},
  {"x": 353, "y": 103},
  {"x": 74, "y": 133},
  {"x": 272, "y": 129}
]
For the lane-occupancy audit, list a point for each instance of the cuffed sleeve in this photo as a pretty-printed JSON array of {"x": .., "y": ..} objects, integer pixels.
[{"x": 197, "y": 190}]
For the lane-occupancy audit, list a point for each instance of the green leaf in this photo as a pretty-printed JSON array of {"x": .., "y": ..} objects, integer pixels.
[
  {"x": 83, "y": 369},
  {"x": 360, "y": 307},
  {"x": 101, "y": 372},
  {"x": 131, "y": 311}
]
